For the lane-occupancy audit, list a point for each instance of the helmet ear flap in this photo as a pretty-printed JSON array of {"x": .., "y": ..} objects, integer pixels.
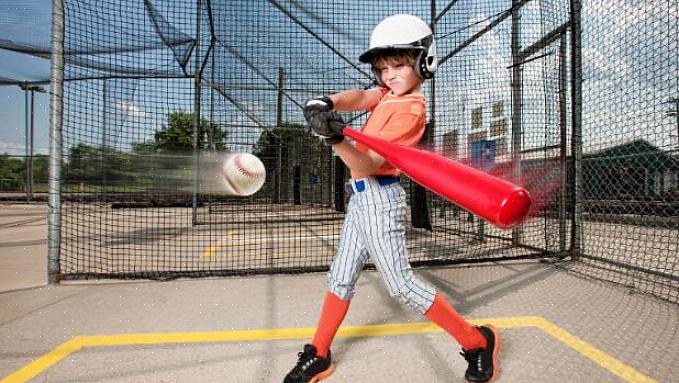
[
  {"x": 427, "y": 61},
  {"x": 421, "y": 66}
]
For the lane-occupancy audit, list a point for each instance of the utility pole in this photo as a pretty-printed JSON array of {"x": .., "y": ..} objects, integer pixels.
[{"x": 30, "y": 129}]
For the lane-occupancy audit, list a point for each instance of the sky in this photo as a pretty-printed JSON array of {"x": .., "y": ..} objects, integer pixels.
[
  {"x": 12, "y": 122},
  {"x": 627, "y": 75},
  {"x": 31, "y": 21}
]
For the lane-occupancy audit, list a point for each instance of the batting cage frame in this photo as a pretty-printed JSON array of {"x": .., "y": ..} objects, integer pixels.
[{"x": 146, "y": 97}]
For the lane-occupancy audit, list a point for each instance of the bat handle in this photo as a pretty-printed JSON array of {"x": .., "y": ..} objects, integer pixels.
[{"x": 348, "y": 132}]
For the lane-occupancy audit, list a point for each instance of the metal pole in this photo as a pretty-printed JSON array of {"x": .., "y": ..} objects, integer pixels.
[
  {"x": 30, "y": 148},
  {"x": 211, "y": 128},
  {"x": 27, "y": 136},
  {"x": 56, "y": 120},
  {"x": 281, "y": 93},
  {"x": 432, "y": 88},
  {"x": 103, "y": 164},
  {"x": 517, "y": 102},
  {"x": 576, "y": 116},
  {"x": 211, "y": 124},
  {"x": 196, "y": 115},
  {"x": 278, "y": 175},
  {"x": 563, "y": 127}
]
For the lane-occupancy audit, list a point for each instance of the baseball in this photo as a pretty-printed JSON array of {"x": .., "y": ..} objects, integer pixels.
[{"x": 243, "y": 174}]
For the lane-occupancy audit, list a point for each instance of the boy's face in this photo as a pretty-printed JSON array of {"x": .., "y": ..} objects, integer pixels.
[{"x": 398, "y": 75}]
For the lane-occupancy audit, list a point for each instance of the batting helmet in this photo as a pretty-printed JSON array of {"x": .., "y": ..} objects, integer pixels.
[{"x": 404, "y": 31}]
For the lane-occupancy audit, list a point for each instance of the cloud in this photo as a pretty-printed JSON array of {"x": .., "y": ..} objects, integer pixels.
[
  {"x": 15, "y": 149},
  {"x": 129, "y": 109}
]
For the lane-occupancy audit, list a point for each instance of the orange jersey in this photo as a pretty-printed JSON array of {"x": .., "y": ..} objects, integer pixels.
[{"x": 397, "y": 119}]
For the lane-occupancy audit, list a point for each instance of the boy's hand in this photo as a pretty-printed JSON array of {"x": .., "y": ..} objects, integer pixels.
[
  {"x": 328, "y": 125},
  {"x": 317, "y": 105}
]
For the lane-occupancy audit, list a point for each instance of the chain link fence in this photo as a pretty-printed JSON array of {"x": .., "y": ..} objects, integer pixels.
[
  {"x": 574, "y": 100},
  {"x": 630, "y": 144}
]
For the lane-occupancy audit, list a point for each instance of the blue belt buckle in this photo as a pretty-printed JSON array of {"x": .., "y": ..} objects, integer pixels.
[{"x": 359, "y": 185}]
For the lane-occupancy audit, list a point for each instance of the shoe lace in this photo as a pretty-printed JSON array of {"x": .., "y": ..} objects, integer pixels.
[
  {"x": 473, "y": 358},
  {"x": 305, "y": 360}
]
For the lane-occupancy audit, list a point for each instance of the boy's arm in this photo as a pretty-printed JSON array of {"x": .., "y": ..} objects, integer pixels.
[
  {"x": 355, "y": 99},
  {"x": 400, "y": 127},
  {"x": 359, "y": 162}
]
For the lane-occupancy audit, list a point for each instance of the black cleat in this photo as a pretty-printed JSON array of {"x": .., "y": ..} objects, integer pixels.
[
  {"x": 483, "y": 365},
  {"x": 310, "y": 368}
]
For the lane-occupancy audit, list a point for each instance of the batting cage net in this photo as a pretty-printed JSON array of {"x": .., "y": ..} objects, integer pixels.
[
  {"x": 630, "y": 144},
  {"x": 574, "y": 100}
]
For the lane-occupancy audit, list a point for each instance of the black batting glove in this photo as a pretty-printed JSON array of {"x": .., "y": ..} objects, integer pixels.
[
  {"x": 317, "y": 105},
  {"x": 329, "y": 126}
]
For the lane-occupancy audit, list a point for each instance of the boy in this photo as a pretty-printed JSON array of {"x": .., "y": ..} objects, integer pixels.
[{"x": 402, "y": 55}]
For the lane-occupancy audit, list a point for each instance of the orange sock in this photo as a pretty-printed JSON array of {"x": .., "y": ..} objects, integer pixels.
[
  {"x": 447, "y": 318},
  {"x": 334, "y": 311}
]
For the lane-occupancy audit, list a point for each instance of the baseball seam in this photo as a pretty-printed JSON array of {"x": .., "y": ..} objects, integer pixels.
[
  {"x": 233, "y": 186},
  {"x": 241, "y": 168}
]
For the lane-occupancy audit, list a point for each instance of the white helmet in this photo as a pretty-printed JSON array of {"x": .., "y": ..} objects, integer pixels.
[{"x": 404, "y": 31}]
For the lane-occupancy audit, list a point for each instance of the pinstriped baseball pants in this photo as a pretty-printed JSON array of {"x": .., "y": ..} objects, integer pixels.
[{"x": 375, "y": 227}]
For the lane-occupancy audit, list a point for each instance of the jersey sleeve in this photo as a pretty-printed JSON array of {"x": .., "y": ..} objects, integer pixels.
[
  {"x": 383, "y": 91},
  {"x": 403, "y": 128}
]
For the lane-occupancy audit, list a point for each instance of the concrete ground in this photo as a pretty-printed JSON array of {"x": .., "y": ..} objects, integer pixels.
[
  {"x": 556, "y": 326},
  {"x": 23, "y": 245}
]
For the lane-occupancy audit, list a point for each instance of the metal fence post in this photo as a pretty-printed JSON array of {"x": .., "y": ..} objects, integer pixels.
[
  {"x": 432, "y": 92},
  {"x": 576, "y": 142},
  {"x": 27, "y": 135},
  {"x": 29, "y": 160},
  {"x": 56, "y": 121},
  {"x": 196, "y": 118},
  {"x": 517, "y": 102},
  {"x": 563, "y": 141},
  {"x": 280, "y": 97}
]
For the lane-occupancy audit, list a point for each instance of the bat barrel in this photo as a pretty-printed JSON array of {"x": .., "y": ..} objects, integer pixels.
[
  {"x": 513, "y": 208},
  {"x": 494, "y": 199}
]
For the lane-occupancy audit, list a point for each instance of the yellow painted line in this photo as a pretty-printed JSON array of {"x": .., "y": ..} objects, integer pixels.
[
  {"x": 44, "y": 362},
  {"x": 209, "y": 252},
  {"x": 236, "y": 243},
  {"x": 616, "y": 367},
  {"x": 613, "y": 365}
]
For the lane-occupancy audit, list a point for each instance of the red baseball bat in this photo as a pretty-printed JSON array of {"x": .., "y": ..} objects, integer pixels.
[{"x": 498, "y": 201}]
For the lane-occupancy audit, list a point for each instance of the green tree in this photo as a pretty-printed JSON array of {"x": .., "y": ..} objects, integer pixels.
[
  {"x": 12, "y": 173},
  {"x": 177, "y": 135},
  {"x": 89, "y": 163},
  {"x": 281, "y": 149},
  {"x": 82, "y": 163},
  {"x": 41, "y": 167},
  {"x": 292, "y": 142}
]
